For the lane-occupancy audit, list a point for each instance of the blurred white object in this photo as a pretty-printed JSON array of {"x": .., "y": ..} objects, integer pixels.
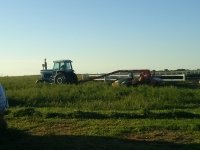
[{"x": 3, "y": 100}]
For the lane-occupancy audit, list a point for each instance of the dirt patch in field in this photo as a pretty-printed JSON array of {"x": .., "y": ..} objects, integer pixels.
[
  {"x": 161, "y": 136},
  {"x": 63, "y": 128},
  {"x": 54, "y": 129}
]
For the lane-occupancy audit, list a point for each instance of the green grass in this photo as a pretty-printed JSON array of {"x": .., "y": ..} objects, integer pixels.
[
  {"x": 97, "y": 96},
  {"x": 158, "y": 129},
  {"x": 99, "y": 116}
]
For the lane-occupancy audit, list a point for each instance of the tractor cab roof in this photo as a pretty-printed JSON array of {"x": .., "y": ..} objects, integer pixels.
[{"x": 63, "y": 60}]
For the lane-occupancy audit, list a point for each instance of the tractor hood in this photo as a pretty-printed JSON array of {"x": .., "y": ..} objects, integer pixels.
[
  {"x": 46, "y": 71},
  {"x": 46, "y": 74}
]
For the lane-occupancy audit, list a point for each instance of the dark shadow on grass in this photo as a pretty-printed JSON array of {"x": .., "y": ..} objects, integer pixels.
[
  {"x": 14, "y": 139},
  {"x": 16, "y": 102},
  {"x": 78, "y": 114},
  {"x": 119, "y": 115},
  {"x": 173, "y": 115},
  {"x": 28, "y": 111},
  {"x": 189, "y": 85}
]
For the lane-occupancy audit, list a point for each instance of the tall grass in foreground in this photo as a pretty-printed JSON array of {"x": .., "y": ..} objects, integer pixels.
[{"x": 22, "y": 91}]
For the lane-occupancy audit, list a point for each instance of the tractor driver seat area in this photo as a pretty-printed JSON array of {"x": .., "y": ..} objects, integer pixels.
[{"x": 63, "y": 67}]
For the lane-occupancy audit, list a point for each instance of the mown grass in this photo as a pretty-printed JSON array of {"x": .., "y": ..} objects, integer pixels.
[
  {"x": 129, "y": 130},
  {"x": 85, "y": 116}
]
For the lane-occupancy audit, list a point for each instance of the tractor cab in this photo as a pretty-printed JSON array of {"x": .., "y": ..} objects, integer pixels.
[
  {"x": 62, "y": 72},
  {"x": 64, "y": 65}
]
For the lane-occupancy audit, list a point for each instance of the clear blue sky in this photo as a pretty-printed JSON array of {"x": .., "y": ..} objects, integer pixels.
[{"x": 99, "y": 35}]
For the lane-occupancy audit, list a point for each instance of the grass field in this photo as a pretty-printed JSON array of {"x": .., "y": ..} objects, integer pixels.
[{"x": 98, "y": 116}]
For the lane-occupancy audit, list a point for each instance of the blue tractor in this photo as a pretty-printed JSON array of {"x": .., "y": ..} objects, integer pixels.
[{"x": 62, "y": 73}]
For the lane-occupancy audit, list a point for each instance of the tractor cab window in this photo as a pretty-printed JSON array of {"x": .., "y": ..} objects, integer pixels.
[
  {"x": 56, "y": 66},
  {"x": 68, "y": 66},
  {"x": 65, "y": 66},
  {"x": 62, "y": 66}
]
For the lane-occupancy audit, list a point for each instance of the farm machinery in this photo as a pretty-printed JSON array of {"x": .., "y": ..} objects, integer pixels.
[{"x": 63, "y": 73}]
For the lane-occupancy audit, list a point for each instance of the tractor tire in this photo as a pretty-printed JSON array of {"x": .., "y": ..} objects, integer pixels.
[
  {"x": 60, "y": 78},
  {"x": 71, "y": 78}
]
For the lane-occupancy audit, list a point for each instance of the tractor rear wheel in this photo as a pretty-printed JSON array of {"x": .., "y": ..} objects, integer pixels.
[
  {"x": 60, "y": 78},
  {"x": 72, "y": 78}
]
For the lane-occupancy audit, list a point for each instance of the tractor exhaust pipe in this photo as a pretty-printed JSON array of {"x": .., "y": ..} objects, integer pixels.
[{"x": 44, "y": 65}]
